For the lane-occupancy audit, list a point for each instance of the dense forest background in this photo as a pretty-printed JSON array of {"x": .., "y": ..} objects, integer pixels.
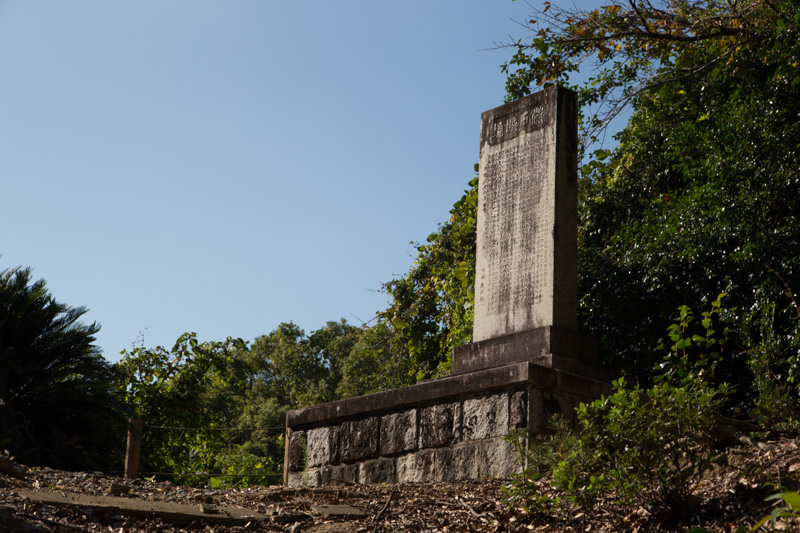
[{"x": 699, "y": 197}]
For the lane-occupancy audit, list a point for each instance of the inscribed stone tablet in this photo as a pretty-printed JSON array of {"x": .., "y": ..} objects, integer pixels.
[{"x": 526, "y": 270}]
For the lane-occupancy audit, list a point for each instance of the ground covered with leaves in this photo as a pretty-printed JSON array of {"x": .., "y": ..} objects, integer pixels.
[{"x": 730, "y": 497}]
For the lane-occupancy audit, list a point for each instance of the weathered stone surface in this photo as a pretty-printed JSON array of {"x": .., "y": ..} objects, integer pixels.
[
  {"x": 415, "y": 467},
  {"x": 341, "y": 511},
  {"x": 501, "y": 457},
  {"x": 470, "y": 461},
  {"x": 568, "y": 403},
  {"x": 574, "y": 352},
  {"x": 438, "y": 390},
  {"x": 399, "y": 432},
  {"x": 518, "y": 410},
  {"x": 440, "y": 424},
  {"x": 360, "y": 441},
  {"x": 323, "y": 446},
  {"x": 336, "y": 474},
  {"x": 170, "y": 511},
  {"x": 427, "y": 392},
  {"x": 334, "y": 527},
  {"x": 297, "y": 445},
  {"x": 466, "y": 460},
  {"x": 310, "y": 477},
  {"x": 377, "y": 471},
  {"x": 443, "y": 467},
  {"x": 526, "y": 268},
  {"x": 486, "y": 416},
  {"x": 581, "y": 388},
  {"x": 292, "y": 479}
]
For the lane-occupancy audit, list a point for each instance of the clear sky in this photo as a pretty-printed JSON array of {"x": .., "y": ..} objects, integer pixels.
[{"x": 224, "y": 166}]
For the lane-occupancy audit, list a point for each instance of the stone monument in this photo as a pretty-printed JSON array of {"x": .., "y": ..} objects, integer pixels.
[
  {"x": 526, "y": 295},
  {"x": 527, "y": 360}
]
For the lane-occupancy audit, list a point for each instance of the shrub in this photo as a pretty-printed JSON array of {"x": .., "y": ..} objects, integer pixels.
[
  {"x": 649, "y": 447},
  {"x": 646, "y": 447},
  {"x": 771, "y": 337}
]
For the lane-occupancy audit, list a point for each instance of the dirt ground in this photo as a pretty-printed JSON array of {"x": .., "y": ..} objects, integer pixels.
[{"x": 55, "y": 501}]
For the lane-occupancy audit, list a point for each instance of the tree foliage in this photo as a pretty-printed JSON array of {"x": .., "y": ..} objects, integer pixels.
[
  {"x": 300, "y": 370},
  {"x": 193, "y": 385},
  {"x": 217, "y": 409},
  {"x": 635, "y": 47},
  {"x": 378, "y": 361},
  {"x": 58, "y": 405}
]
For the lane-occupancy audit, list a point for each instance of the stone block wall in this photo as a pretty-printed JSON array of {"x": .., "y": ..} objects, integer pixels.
[
  {"x": 446, "y": 429},
  {"x": 445, "y": 441},
  {"x": 457, "y": 439}
]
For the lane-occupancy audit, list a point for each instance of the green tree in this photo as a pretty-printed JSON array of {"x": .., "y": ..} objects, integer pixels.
[
  {"x": 300, "y": 370},
  {"x": 230, "y": 398},
  {"x": 193, "y": 385},
  {"x": 635, "y": 47},
  {"x": 378, "y": 361},
  {"x": 58, "y": 405}
]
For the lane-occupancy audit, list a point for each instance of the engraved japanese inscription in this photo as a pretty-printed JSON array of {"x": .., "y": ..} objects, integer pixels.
[{"x": 522, "y": 187}]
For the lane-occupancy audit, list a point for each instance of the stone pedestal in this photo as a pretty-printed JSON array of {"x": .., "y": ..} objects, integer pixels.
[{"x": 546, "y": 346}]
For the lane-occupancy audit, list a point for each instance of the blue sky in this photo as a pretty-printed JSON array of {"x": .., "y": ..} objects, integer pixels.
[{"x": 221, "y": 167}]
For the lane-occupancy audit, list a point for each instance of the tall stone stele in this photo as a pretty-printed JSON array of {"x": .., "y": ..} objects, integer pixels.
[{"x": 526, "y": 270}]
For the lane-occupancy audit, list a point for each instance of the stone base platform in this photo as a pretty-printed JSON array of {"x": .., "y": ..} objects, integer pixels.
[
  {"x": 546, "y": 346},
  {"x": 444, "y": 429}
]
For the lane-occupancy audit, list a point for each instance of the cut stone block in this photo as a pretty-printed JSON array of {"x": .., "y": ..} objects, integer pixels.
[
  {"x": 178, "y": 513},
  {"x": 297, "y": 447},
  {"x": 544, "y": 406},
  {"x": 347, "y": 474},
  {"x": 526, "y": 255},
  {"x": 323, "y": 446},
  {"x": 362, "y": 440},
  {"x": 503, "y": 458},
  {"x": 399, "y": 432},
  {"x": 377, "y": 471},
  {"x": 440, "y": 425},
  {"x": 310, "y": 477},
  {"x": 547, "y": 346},
  {"x": 338, "y": 511},
  {"x": 518, "y": 410},
  {"x": 466, "y": 460},
  {"x": 486, "y": 416},
  {"x": 415, "y": 467}
]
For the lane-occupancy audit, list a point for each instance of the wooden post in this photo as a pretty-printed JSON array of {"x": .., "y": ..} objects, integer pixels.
[
  {"x": 134, "y": 447},
  {"x": 287, "y": 443}
]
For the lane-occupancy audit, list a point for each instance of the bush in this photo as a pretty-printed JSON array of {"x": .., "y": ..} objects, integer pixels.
[
  {"x": 240, "y": 468},
  {"x": 645, "y": 447},
  {"x": 649, "y": 447},
  {"x": 553, "y": 451},
  {"x": 771, "y": 337}
]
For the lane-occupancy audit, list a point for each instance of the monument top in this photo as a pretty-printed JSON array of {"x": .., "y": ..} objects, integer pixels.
[{"x": 526, "y": 267}]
